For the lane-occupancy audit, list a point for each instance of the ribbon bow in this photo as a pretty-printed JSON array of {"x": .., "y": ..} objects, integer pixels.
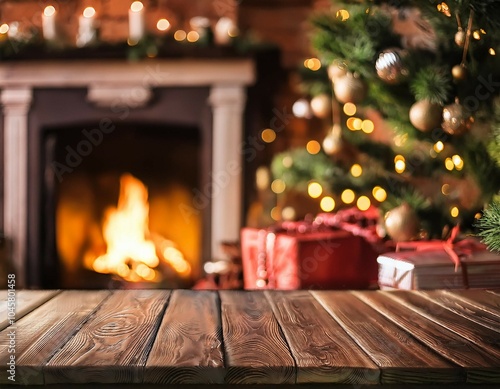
[{"x": 450, "y": 246}]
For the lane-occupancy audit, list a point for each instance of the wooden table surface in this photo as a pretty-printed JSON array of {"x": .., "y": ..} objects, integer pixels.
[{"x": 353, "y": 339}]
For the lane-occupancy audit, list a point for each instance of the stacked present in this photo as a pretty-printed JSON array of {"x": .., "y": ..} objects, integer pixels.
[
  {"x": 450, "y": 264},
  {"x": 316, "y": 254}
]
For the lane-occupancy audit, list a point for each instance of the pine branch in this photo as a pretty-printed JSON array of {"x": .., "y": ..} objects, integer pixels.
[
  {"x": 489, "y": 226},
  {"x": 432, "y": 83}
]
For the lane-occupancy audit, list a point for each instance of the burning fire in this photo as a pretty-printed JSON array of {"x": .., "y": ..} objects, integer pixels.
[{"x": 133, "y": 252}]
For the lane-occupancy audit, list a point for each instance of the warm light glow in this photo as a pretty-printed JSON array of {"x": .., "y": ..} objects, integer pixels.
[
  {"x": 314, "y": 190},
  {"x": 356, "y": 170},
  {"x": 343, "y": 15},
  {"x": 163, "y": 25},
  {"x": 459, "y": 166},
  {"x": 313, "y": 147},
  {"x": 400, "y": 140},
  {"x": 367, "y": 126},
  {"x": 278, "y": 186},
  {"x": 49, "y": 11},
  {"x": 443, "y": 7},
  {"x": 438, "y": 147},
  {"x": 448, "y": 163},
  {"x": 454, "y": 212},
  {"x": 262, "y": 178},
  {"x": 399, "y": 157},
  {"x": 136, "y": 6},
  {"x": 379, "y": 194},
  {"x": 348, "y": 196},
  {"x": 287, "y": 161},
  {"x": 130, "y": 251},
  {"x": 492, "y": 51},
  {"x": 350, "y": 124},
  {"x": 400, "y": 166},
  {"x": 363, "y": 203},
  {"x": 458, "y": 161},
  {"x": 275, "y": 214},
  {"x": 312, "y": 64},
  {"x": 349, "y": 109},
  {"x": 180, "y": 35},
  {"x": 478, "y": 216},
  {"x": 268, "y": 135},
  {"x": 193, "y": 36},
  {"x": 4, "y": 28},
  {"x": 357, "y": 123},
  {"x": 327, "y": 204},
  {"x": 476, "y": 35},
  {"x": 288, "y": 213},
  {"x": 301, "y": 108},
  {"x": 445, "y": 189},
  {"x": 89, "y": 12}
]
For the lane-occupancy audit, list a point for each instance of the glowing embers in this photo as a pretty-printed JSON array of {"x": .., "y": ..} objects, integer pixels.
[{"x": 132, "y": 251}]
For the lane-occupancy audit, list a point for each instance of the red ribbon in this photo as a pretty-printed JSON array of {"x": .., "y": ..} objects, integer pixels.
[{"x": 452, "y": 248}]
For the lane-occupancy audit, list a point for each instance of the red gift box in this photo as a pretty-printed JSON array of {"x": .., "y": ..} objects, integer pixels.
[{"x": 306, "y": 258}]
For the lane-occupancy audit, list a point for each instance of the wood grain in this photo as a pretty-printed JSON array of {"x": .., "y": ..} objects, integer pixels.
[
  {"x": 463, "y": 307},
  {"x": 25, "y": 302},
  {"x": 487, "y": 301},
  {"x": 188, "y": 346},
  {"x": 480, "y": 365},
  {"x": 400, "y": 356},
  {"x": 256, "y": 351},
  {"x": 485, "y": 338},
  {"x": 42, "y": 332},
  {"x": 322, "y": 350},
  {"x": 113, "y": 345}
]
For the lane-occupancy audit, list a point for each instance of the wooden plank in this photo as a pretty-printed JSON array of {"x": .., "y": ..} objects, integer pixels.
[
  {"x": 485, "y": 338},
  {"x": 322, "y": 350},
  {"x": 480, "y": 365},
  {"x": 188, "y": 346},
  {"x": 25, "y": 301},
  {"x": 113, "y": 345},
  {"x": 463, "y": 307},
  {"x": 256, "y": 352},
  {"x": 480, "y": 298},
  {"x": 400, "y": 357},
  {"x": 39, "y": 334}
]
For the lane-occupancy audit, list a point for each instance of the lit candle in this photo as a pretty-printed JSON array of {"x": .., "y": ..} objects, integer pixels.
[
  {"x": 49, "y": 23},
  {"x": 86, "y": 27},
  {"x": 136, "y": 21}
]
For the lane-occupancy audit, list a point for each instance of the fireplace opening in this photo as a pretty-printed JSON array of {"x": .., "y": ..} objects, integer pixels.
[{"x": 119, "y": 206}]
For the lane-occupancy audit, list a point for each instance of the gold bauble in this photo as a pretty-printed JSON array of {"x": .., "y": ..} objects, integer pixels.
[
  {"x": 333, "y": 143},
  {"x": 425, "y": 116},
  {"x": 336, "y": 70},
  {"x": 456, "y": 119},
  {"x": 321, "y": 105},
  {"x": 402, "y": 223},
  {"x": 460, "y": 38},
  {"x": 459, "y": 72},
  {"x": 349, "y": 89}
]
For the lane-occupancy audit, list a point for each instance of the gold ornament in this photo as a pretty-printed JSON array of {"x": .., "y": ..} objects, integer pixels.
[
  {"x": 456, "y": 119},
  {"x": 459, "y": 72},
  {"x": 349, "y": 89},
  {"x": 402, "y": 223},
  {"x": 390, "y": 66},
  {"x": 321, "y": 105},
  {"x": 425, "y": 116},
  {"x": 460, "y": 37},
  {"x": 336, "y": 70},
  {"x": 333, "y": 143}
]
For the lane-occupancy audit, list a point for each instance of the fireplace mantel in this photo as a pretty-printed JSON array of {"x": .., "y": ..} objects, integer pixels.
[{"x": 112, "y": 82}]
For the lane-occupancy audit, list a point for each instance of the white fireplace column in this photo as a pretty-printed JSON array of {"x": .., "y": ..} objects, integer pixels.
[
  {"x": 228, "y": 102},
  {"x": 16, "y": 103}
]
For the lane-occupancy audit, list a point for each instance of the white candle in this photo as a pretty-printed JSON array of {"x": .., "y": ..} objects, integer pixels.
[
  {"x": 86, "y": 27},
  {"x": 49, "y": 23},
  {"x": 136, "y": 21}
]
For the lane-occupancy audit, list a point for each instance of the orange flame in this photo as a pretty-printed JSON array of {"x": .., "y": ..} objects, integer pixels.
[{"x": 132, "y": 253}]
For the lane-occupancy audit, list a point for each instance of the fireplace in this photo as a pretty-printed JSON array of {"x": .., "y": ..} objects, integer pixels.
[{"x": 76, "y": 131}]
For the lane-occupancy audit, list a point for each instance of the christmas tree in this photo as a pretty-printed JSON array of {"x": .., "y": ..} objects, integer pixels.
[{"x": 415, "y": 121}]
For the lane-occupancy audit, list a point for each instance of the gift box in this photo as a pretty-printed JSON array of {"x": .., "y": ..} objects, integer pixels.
[
  {"x": 436, "y": 269},
  {"x": 306, "y": 258}
]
